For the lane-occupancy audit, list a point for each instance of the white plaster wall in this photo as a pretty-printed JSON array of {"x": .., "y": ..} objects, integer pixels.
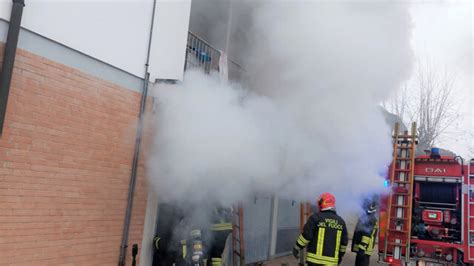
[{"x": 114, "y": 31}]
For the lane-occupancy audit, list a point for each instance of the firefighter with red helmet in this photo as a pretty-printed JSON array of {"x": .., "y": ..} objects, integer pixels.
[
  {"x": 324, "y": 235},
  {"x": 365, "y": 233}
]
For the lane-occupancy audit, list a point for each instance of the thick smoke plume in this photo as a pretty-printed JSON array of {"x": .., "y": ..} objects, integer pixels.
[{"x": 307, "y": 119}]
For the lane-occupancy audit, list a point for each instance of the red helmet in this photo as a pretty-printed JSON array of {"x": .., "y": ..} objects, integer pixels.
[{"x": 326, "y": 201}]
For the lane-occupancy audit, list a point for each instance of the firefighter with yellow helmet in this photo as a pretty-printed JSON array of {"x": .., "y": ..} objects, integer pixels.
[{"x": 324, "y": 235}]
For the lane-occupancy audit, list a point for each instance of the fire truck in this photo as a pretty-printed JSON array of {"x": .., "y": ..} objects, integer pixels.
[{"x": 427, "y": 218}]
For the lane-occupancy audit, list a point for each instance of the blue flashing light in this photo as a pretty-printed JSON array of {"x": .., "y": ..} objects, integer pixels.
[
  {"x": 435, "y": 153},
  {"x": 386, "y": 183}
]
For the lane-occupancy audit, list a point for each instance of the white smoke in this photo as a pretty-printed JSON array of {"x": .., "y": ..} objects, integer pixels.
[{"x": 307, "y": 120}]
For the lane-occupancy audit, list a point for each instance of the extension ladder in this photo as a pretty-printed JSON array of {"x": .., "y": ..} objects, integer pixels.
[
  {"x": 398, "y": 232},
  {"x": 470, "y": 216},
  {"x": 238, "y": 251}
]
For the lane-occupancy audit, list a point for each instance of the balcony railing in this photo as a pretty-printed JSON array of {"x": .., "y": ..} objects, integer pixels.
[{"x": 200, "y": 54}]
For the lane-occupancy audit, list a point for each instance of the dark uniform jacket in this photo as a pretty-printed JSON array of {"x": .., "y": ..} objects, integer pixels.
[
  {"x": 325, "y": 236},
  {"x": 167, "y": 246},
  {"x": 221, "y": 227},
  {"x": 365, "y": 234}
]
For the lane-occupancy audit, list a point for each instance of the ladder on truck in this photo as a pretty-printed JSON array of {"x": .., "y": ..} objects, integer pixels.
[
  {"x": 470, "y": 200},
  {"x": 398, "y": 231},
  {"x": 238, "y": 251}
]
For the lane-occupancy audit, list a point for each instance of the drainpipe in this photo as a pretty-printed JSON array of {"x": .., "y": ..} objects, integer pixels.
[
  {"x": 9, "y": 57},
  {"x": 136, "y": 153}
]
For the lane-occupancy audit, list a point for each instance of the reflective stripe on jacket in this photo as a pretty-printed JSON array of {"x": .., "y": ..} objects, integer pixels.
[
  {"x": 216, "y": 261},
  {"x": 221, "y": 226}
]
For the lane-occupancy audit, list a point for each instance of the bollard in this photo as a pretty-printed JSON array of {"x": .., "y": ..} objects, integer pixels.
[{"x": 134, "y": 254}]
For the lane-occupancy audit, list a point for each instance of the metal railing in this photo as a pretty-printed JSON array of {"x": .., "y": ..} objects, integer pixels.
[{"x": 200, "y": 54}]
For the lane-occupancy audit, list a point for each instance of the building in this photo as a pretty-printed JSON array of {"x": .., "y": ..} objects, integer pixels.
[
  {"x": 68, "y": 142},
  {"x": 68, "y": 137}
]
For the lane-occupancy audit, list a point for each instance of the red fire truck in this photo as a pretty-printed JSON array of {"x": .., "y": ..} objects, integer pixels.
[{"x": 428, "y": 216}]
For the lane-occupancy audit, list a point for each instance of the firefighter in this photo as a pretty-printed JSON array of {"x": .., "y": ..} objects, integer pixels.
[
  {"x": 365, "y": 233},
  {"x": 220, "y": 230},
  {"x": 169, "y": 249},
  {"x": 324, "y": 235},
  {"x": 169, "y": 252}
]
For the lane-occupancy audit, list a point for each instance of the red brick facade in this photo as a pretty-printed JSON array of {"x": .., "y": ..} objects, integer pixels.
[{"x": 65, "y": 162}]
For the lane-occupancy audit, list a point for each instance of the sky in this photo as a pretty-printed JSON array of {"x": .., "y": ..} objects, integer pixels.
[{"x": 443, "y": 32}]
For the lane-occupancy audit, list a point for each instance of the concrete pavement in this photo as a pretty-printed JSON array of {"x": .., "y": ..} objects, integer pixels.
[{"x": 348, "y": 260}]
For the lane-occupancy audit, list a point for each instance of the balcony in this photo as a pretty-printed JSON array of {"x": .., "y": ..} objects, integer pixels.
[{"x": 200, "y": 54}]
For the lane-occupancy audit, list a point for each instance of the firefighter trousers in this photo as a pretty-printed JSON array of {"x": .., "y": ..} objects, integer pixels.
[{"x": 362, "y": 259}]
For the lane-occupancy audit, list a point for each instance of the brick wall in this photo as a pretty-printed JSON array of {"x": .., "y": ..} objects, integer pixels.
[{"x": 65, "y": 162}]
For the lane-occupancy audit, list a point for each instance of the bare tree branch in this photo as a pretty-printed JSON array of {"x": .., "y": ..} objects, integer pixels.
[{"x": 428, "y": 100}]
